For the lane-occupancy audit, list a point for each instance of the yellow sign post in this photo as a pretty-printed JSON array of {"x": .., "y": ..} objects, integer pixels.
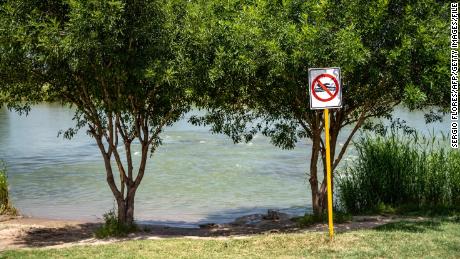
[
  {"x": 326, "y": 92},
  {"x": 328, "y": 170}
]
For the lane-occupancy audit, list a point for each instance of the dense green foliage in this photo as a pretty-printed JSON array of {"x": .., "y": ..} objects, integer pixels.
[
  {"x": 101, "y": 56},
  {"x": 407, "y": 239},
  {"x": 112, "y": 227},
  {"x": 394, "y": 171},
  {"x": 5, "y": 203}
]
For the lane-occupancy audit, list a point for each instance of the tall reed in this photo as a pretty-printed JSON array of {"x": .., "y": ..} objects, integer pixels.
[
  {"x": 5, "y": 202},
  {"x": 400, "y": 170}
]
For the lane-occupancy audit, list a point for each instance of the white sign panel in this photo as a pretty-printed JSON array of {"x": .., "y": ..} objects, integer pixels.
[{"x": 325, "y": 88}]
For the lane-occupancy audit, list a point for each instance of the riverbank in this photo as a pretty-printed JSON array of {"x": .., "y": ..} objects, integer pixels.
[
  {"x": 22, "y": 232},
  {"x": 381, "y": 237}
]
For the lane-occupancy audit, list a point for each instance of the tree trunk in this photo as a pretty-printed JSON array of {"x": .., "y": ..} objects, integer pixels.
[
  {"x": 126, "y": 205},
  {"x": 130, "y": 206},
  {"x": 333, "y": 133},
  {"x": 125, "y": 200},
  {"x": 319, "y": 192},
  {"x": 315, "y": 195},
  {"x": 337, "y": 122},
  {"x": 121, "y": 211},
  {"x": 126, "y": 208}
]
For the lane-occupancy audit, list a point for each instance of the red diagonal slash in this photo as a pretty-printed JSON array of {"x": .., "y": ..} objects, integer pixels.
[
  {"x": 325, "y": 88},
  {"x": 331, "y": 95}
]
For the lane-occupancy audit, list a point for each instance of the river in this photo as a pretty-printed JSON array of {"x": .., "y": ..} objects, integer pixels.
[{"x": 194, "y": 177}]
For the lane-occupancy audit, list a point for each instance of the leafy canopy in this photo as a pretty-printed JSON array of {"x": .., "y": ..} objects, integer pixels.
[
  {"x": 257, "y": 54},
  {"x": 107, "y": 58}
]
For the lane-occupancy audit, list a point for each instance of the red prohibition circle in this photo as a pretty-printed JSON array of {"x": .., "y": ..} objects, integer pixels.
[{"x": 337, "y": 87}]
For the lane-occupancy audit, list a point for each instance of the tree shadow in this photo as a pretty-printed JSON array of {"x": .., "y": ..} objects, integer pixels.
[
  {"x": 213, "y": 227},
  {"x": 410, "y": 226},
  {"x": 51, "y": 236}
]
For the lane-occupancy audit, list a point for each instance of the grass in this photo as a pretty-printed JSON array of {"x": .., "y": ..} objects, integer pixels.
[{"x": 435, "y": 238}]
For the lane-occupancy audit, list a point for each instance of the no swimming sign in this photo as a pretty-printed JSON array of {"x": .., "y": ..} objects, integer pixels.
[{"x": 325, "y": 88}]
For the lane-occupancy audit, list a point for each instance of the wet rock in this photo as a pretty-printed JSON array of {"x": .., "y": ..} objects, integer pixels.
[
  {"x": 209, "y": 225},
  {"x": 248, "y": 220},
  {"x": 272, "y": 215},
  {"x": 276, "y": 216},
  {"x": 261, "y": 219}
]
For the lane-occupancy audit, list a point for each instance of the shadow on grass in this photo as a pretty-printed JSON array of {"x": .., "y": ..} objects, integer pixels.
[{"x": 410, "y": 226}]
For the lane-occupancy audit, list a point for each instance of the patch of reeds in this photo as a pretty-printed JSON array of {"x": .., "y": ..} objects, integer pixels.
[
  {"x": 6, "y": 208},
  {"x": 397, "y": 170}
]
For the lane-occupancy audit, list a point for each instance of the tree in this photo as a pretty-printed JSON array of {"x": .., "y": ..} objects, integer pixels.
[
  {"x": 257, "y": 54},
  {"x": 117, "y": 62}
]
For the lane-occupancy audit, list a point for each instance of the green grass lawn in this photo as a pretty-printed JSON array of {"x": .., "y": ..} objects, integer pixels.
[{"x": 428, "y": 239}]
